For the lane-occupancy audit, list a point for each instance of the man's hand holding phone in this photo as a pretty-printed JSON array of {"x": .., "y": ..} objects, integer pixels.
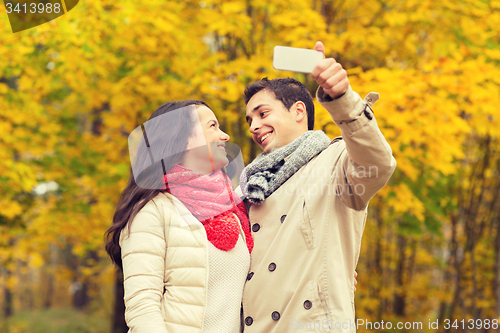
[
  {"x": 330, "y": 75},
  {"x": 327, "y": 72}
]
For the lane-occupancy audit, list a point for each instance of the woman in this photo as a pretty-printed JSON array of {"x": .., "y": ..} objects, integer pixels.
[{"x": 180, "y": 233}]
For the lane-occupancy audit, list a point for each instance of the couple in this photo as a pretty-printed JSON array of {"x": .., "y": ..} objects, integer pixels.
[{"x": 183, "y": 237}]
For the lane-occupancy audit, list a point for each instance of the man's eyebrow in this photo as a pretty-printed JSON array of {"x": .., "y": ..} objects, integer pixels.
[{"x": 259, "y": 106}]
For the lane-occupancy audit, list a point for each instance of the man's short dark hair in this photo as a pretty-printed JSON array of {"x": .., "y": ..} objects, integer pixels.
[{"x": 286, "y": 90}]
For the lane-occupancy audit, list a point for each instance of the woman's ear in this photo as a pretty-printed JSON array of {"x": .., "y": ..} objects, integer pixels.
[
  {"x": 190, "y": 142},
  {"x": 196, "y": 139}
]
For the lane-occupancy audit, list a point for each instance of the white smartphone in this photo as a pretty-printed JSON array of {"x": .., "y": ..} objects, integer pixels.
[{"x": 295, "y": 59}]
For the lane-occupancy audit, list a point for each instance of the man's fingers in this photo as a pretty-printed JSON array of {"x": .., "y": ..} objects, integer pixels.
[
  {"x": 320, "y": 47},
  {"x": 322, "y": 66},
  {"x": 330, "y": 75},
  {"x": 335, "y": 69},
  {"x": 333, "y": 80},
  {"x": 355, "y": 274},
  {"x": 338, "y": 89}
]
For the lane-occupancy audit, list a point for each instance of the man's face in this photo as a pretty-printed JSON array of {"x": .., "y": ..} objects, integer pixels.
[{"x": 271, "y": 124}]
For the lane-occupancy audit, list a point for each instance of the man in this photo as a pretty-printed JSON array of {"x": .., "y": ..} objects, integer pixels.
[{"x": 308, "y": 199}]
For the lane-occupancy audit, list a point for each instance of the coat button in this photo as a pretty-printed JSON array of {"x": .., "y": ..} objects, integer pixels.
[
  {"x": 275, "y": 315},
  {"x": 256, "y": 227},
  {"x": 272, "y": 267},
  {"x": 283, "y": 217},
  {"x": 368, "y": 115},
  {"x": 249, "y": 276},
  {"x": 248, "y": 321},
  {"x": 307, "y": 305}
]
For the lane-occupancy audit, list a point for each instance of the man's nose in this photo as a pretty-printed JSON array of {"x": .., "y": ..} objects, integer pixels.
[{"x": 254, "y": 127}]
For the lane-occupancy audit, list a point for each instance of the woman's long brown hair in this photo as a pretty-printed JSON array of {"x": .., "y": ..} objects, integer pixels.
[{"x": 172, "y": 143}]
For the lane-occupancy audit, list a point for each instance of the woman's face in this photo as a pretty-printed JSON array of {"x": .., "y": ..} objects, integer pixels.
[{"x": 209, "y": 135}]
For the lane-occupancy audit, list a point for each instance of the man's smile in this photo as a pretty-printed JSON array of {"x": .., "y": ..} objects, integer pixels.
[{"x": 264, "y": 136}]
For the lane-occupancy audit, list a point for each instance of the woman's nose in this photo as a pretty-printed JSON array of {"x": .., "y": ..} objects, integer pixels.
[{"x": 224, "y": 137}]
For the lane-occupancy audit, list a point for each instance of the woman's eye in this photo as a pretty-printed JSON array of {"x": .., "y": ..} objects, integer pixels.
[
  {"x": 263, "y": 113},
  {"x": 213, "y": 125}
]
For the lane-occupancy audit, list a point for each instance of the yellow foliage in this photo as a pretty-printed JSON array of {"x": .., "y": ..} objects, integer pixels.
[
  {"x": 10, "y": 208},
  {"x": 406, "y": 202},
  {"x": 78, "y": 86},
  {"x": 36, "y": 260}
]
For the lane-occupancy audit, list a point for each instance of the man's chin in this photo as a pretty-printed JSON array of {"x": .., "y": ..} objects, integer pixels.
[{"x": 269, "y": 150}]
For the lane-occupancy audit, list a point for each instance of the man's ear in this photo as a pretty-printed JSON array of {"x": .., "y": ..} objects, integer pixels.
[{"x": 300, "y": 112}]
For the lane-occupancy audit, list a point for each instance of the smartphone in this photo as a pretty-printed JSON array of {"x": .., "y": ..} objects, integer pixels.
[{"x": 295, "y": 59}]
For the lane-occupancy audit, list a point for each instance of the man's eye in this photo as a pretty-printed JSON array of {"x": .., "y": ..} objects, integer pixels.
[
  {"x": 263, "y": 113},
  {"x": 213, "y": 125}
]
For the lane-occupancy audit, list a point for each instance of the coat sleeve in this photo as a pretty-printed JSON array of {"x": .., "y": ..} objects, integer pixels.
[
  {"x": 366, "y": 164},
  {"x": 143, "y": 252}
]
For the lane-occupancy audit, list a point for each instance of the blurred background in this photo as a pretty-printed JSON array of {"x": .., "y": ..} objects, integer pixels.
[{"x": 73, "y": 89}]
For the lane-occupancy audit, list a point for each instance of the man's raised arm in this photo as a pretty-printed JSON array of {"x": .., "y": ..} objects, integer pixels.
[{"x": 367, "y": 163}]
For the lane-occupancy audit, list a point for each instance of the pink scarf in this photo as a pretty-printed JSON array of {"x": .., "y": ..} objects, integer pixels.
[{"x": 211, "y": 199}]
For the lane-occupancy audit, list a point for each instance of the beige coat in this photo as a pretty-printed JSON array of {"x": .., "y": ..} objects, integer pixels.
[
  {"x": 165, "y": 293},
  {"x": 308, "y": 233}
]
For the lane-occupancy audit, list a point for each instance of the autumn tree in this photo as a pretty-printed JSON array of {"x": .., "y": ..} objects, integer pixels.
[{"x": 73, "y": 89}]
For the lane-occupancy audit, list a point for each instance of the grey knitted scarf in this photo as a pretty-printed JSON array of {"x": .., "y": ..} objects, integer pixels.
[{"x": 269, "y": 171}]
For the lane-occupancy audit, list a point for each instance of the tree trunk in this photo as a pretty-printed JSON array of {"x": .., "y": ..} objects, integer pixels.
[
  {"x": 8, "y": 309},
  {"x": 80, "y": 295},
  {"x": 119, "y": 325},
  {"x": 497, "y": 270},
  {"x": 400, "y": 294},
  {"x": 378, "y": 259},
  {"x": 457, "y": 264},
  {"x": 47, "y": 302}
]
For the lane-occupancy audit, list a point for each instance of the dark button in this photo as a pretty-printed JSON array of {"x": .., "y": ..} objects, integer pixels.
[
  {"x": 368, "y": 115},
  {"x": 272, "y": 267},
  {"x": 307, "y": 305},
  {"x": 365, "y": 111},
  {"x": 275, "y": 315},
  {"x": 249, "y": 276},
  {"x": 283, "y": 217},
  {"x": 256, "y": 227},
  {"x": 248, "y": 321}
]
